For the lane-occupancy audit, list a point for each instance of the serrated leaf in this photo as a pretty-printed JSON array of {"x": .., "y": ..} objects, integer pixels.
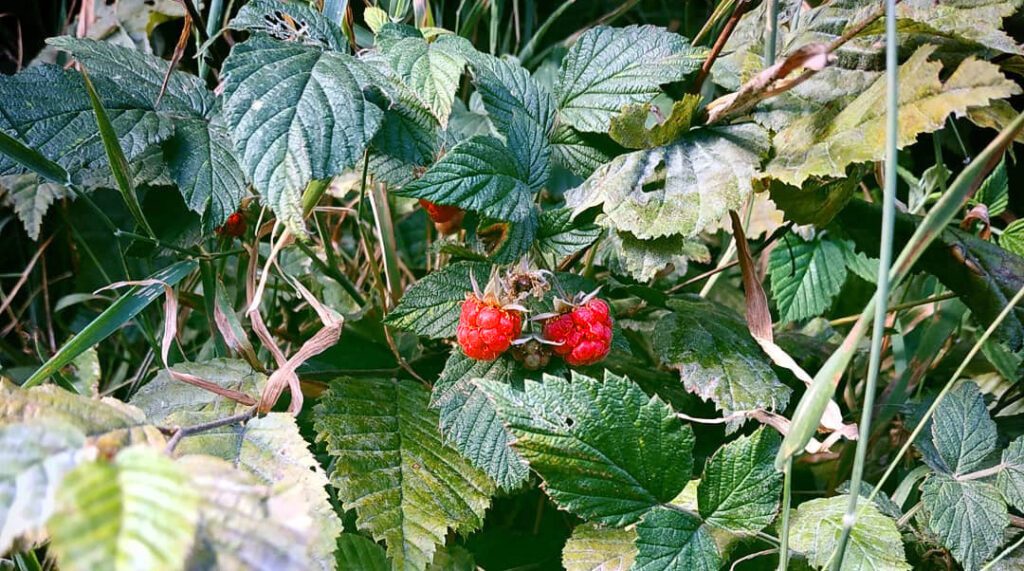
[
  {"x": 165, "y": 395},
  {"x": 469, "y": 422},
  {"x": 670, "y": 539},
  {"x": 1010, "y": 480},
  {"x": 644, "y": 259},
  {"x": 31, "y": 197},
  {"x": 994, "y": 193},
  {"x": 680, "y": 189},
  {"x": 606, "y": 451},
  {"x": 271, "y": 449},
  {"x": 717, "y": 358},
  {"x": 34, "y": 456},
  {"x": 806, "y": 276},
  {"x": 629, "y": 128},
  {"x": 610, "y": 67},
  {"x": 824, "y": 143},
  {"x": 819, "y": 200},
  {"x": 595, "y": 548},
  {"x": 508, "y": 242},
  {"x": 520, "y": 109},
  {"x": 968, "y": 517},
  {"x": 246, "y": 524},
  {"x": 1012, "y": 238},
  {"x": 407, "y": 487},
  {"x": 875, "y": 542},
  {"x": 558, "y": 236},
  {"x": 478, "y": 174},
  {"x": 962, "y": 430},
  {"x": 289, "y": 20},
  {"x": 431, "y": 71},
  {"x": 202, "y": 163},
  {"x": 740, "y": 489},
  {"x": 297, "y": 114},
  {"x": 358, "y": 552},
  {"x": 581, "y": 153},
  {"x": 976, "y": 21},
  {"x": 431, "y": 306},
  {"x": 137, "y": 512},
  {"x": 858, "y": 262}
]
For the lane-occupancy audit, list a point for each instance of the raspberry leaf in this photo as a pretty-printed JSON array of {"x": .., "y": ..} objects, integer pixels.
[
  {"x": 595, "y": 548},
  {"x": 559, "y": 236},
  {"x": 1011, "y": 478},
  {"x": 431, "y": 307},
  {"x": 391, "y": 465},
  {"x": 717, "y": 358},
  {"x": 469, "y": 422},
  {"x": 307, "y": 25},
  {"x": 962, "y": 431},
  {"x": 806, "y": 276},
  {"x": 740, "y": 488},
  {"x": 875, "y": 542},
  {"x": 669, "y": 539},
  {"x": 968, "y": 517},
  {"x": 564, "y": 429},
  {"x": 608, "y": 68}
]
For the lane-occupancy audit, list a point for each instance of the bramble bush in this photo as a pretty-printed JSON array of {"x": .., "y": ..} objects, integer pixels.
[{"x": 509, "y": 285}]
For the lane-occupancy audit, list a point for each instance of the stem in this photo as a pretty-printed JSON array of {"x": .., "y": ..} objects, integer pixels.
[
  {"x": 183, "y": 431},
  {"x": 333, "y": 273},
  {"x": 884, "y": 263},
  {"x": 977, "y": 475},
  {"x": 787, "y": 498},
  {"x": 723, "y": 37},
  {"x": 216, "y": 16},
  {"x": 771, "y": 28},
  {"x": 1004, "y": 553},
  {"x": 898, "y": 307},
  {"x": 543, "y": 29}
]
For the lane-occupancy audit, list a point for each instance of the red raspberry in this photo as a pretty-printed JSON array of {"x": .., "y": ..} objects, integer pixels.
[
  {"x": 486, "y": 330},
  {"x": 234, "y": 226},
  {"x": 447, "y": 219},
  {"x": 584, "y": 334}
]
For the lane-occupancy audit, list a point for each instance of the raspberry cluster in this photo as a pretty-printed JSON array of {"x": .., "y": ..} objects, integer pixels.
[
  {"x": 583, "y": 335},
  {"x": 486, "y": 330}
]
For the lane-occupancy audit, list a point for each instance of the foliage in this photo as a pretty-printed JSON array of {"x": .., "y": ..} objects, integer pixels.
[{"x": 276, "y": 382}]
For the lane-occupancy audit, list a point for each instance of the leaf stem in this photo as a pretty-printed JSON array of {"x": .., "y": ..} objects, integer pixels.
[
  {"x": 183, "y": 431},
  {"x": 723, "y": 37},
  {"x": 771, "y": 29},
  {"x": 882, "y": 295},
  {"x": 787, "y": 500},
  {"x": 898, "y": 307},
  {"x": 1004, "y": 553}
]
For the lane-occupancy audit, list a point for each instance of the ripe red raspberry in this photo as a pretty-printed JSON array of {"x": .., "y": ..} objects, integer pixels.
[
  {"x": 234, "y": 226},
  {"x": 447, "y": 219},
  {"x": 583, "y": 334},
  {"x": 485, "y": 329}
]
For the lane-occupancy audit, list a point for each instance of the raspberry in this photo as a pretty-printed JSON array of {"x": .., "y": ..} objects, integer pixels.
[
  {"x": 234, "y": 226},
  {"x": 583, "y": 334},
  {"x": 447, "y": 219},
  {"x": 485, "y": 329}
]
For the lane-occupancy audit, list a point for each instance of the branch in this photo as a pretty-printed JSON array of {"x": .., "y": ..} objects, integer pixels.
[{"x": 180, "y": 432}]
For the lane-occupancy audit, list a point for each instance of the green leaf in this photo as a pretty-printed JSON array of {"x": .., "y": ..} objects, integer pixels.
[
  {"x": 608, "y": 68},
  {"x": 717, "y": 358},
  {"x": 431, "y": 306},
  {"x": 246, "y": 524},
  {"x": 469, "y": 422},
  {"x": 137, "y": 512},
  {"x": 432, "y": 71},
  {"x": 595, "y": 548},
  {"x": 271, "y": 449},
  {"x": 202, "y": 163},
  {"x": 806, "y": 276},
  {"x": 857, "y": 262},
  {"x": 681, "y": 189},
  {"x": 358, "y": 552},
  {"x": 819, "y": 200},
  {"x": 824, "y": 143},
  {"x": 297, "y": 114},
  {"x": 30, "y": 159},
  {"x": 34, "y": 456},
  {"x": 32, "y": 197},
  {"x": 109, "y": 420},
  {"x": 995, "y": 191},
  {"x": 165, "y": 395},
  {"x": 644, "y": 259},
  {"x": 1010, "y": 480},
  {"x": 1012, "y": 238},
  {"x": 968, "y": 517},
  {"x": 630, "y": 129},
  {"x": 478, "y": 174},
  {"x": 520, "y": 109},
  {"x": 120, "y": 312},
  {"x": 671, "y": 539},
  {"x": 606, "y": 451},
  {"x": 407, "y": 487},
  {"x": 875, "y": 542},
  {"x": 307, "y": 25},
  {"x": 740, "y": 488},
  {"x": 962, "y": 431},
  {"x": 581, "y": 153},
  {"x": 558, "y": 236}
]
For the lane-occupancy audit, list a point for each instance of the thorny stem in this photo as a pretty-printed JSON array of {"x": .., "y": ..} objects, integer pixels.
[{"x": 180, "y": 432}]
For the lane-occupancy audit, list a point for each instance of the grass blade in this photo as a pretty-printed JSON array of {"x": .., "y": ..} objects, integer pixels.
[
  {"x": 811, "y": 407},
  {"x": 115, "y": 155},
  {"x": 120, "y": 312},
  {"x": 32, "y": 159}
]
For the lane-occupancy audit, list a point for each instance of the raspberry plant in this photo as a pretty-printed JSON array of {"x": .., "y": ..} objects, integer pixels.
[{"x": 503, "y": 285}]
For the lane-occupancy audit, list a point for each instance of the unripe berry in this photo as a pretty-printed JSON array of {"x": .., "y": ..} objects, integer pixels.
[
  {"x": 486, "y": 330},
  {"x": 533, "y": 354},
  {"x": 582, "y": 335}
]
